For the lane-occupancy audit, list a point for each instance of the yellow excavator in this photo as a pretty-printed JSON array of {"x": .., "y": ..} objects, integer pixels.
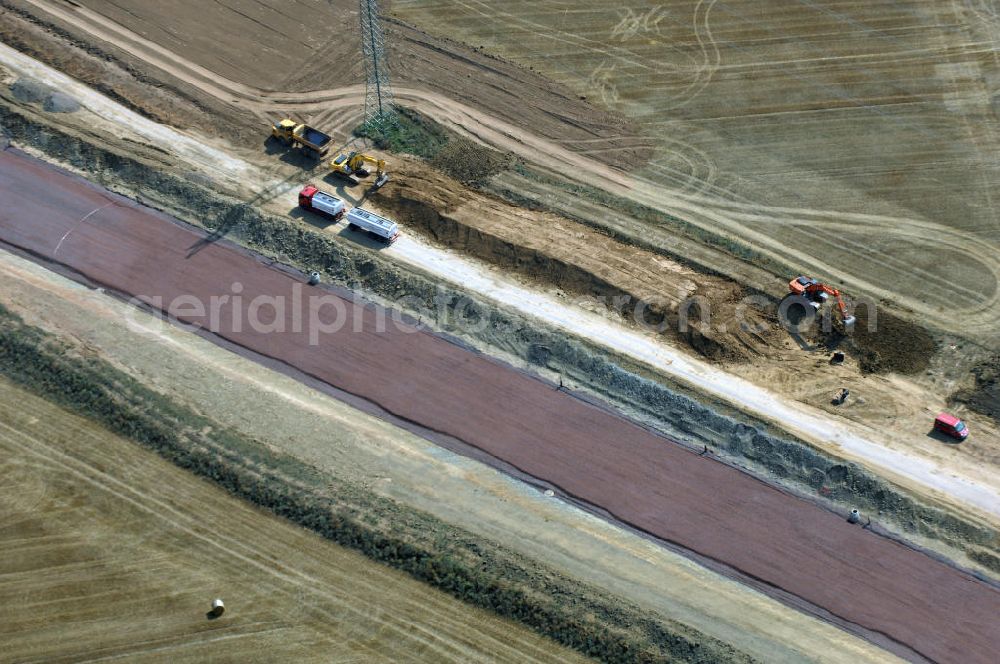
[{"x": 351, "y": 166}]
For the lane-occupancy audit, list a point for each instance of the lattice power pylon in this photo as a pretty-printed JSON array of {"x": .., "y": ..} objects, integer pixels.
[{"x": 380, "y": 109}]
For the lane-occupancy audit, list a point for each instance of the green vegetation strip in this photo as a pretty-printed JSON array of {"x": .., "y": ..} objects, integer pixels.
[
  {"x": 461, "y": 158},
  {"x": 479, "y": 572},
  {"x": 412, "y": 133}
]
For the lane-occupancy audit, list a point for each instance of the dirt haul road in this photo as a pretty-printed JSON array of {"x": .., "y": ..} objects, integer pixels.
[
  {"x": 870, "y": 248},
  {"x": 921, "y": 605}
]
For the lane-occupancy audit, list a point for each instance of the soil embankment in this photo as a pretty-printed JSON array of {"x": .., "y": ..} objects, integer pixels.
[
  {"x": 711, "y": 314},
  {"x": 984, "y": 395},
  {"x": 706, "y": 312},
  {"x": 880, "y": 341}
]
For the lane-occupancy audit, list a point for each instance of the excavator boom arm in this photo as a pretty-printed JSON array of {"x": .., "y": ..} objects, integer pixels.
[
  {"x": 358, "y": 159},
  {"x": 835, "y": 294}
]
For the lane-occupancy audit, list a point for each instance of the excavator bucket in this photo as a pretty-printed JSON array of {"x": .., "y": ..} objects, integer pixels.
[
  {"x": 380, "y": 181},
  {"x": 849, "y": 322}
]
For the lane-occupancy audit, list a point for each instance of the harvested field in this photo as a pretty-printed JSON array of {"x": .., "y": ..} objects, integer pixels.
[
  {"x": 851, "y": 140},
  {"x": 112, "y": 552},
  {"x": 293, "y": 42},
  {"x": 248, "y": 86}
]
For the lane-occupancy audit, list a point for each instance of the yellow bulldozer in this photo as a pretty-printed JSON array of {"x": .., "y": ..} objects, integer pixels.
[{"x": 351, "y": 166}]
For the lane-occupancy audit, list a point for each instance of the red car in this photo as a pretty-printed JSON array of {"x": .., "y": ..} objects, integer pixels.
[{"x": 950, "y": 425}]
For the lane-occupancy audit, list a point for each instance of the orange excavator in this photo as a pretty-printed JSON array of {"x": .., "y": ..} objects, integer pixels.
[{"x": 817, "y": 293}]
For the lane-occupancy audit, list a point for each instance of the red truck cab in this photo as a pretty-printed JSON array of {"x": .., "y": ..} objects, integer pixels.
[
  {"x": 305, "y": 196},
  {"x": 314, "y": 200},
  {"x": 950, "y": 425}
]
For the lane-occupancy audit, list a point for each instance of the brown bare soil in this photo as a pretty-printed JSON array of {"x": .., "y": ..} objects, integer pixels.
[
  {"x": 880, "y": 341},
  {"x": 112, "y": 552},
  {"x": 984, "y": 395},
  {"x": 554, "y": 251},
  {"x": 892, "y": 344}
]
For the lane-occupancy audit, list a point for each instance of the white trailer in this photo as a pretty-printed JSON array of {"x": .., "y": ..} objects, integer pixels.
[
  {"x": 371, "y": 223},
  {"x": 311, "y": 198}
]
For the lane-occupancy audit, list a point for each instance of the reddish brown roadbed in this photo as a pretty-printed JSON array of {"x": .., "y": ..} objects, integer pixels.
[{"x": 918, "y": 602}]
